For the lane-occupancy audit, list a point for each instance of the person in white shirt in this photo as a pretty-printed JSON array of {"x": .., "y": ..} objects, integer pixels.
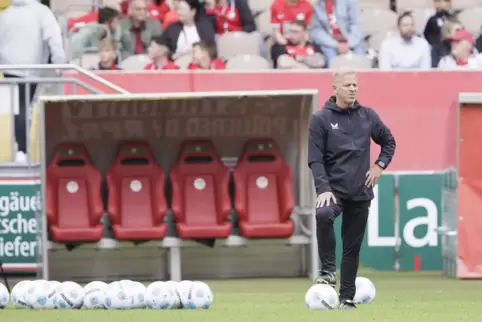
[
  {"x": 407, "y": 50},
  {"x": 462, "y": 55}
]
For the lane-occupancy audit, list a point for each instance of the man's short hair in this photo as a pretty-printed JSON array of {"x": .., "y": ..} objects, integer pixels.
[
  {"x": 300, "y": 23},
  {"x": 404, "y": 15},
  {"x": 107, "y": 14},
  {"x": 107, "y": 44},
  {"x": 339, "y": 73}
]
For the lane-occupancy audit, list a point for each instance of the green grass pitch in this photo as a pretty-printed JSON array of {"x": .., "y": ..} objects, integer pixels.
[{"x": 401, "y": 297}]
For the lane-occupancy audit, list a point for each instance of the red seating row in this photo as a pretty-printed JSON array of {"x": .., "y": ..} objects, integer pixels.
[{"x": 200, "y": 201}]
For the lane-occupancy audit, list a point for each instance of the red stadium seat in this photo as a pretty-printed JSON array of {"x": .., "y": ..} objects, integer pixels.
[
  {"x": 263, "y": 192},
  {"x": 137, "y": 203},
  {"x": 200, "y": 192},
  {"x": 74, "y": 205}
]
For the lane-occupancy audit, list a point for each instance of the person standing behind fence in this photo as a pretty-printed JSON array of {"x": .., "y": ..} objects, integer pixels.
[
  {"x": 29, "y": 34},
  {"x": 339, "y": 158}
]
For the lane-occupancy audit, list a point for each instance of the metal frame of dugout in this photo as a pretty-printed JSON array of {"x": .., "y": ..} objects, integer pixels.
[{"x": 296, "y": 106}]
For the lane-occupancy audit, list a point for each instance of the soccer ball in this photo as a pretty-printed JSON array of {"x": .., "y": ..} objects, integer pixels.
[
  {"x": 94, "y": 295},
  {"x": 70, "y": 295},
  {"x": 117, "y": 296},
  {"x": 321, "y": 297},
  {"x": 174, "y": 286},
  {"x": 4, "y": 296},
  {"x": 365, "y": 291},
  {"x": 183, "y": 288},
  {"x": 160, "y": 296},
  {"x": 137, "y": 291},
  {"x": 199, "y": 296},
  {"x": 41, "y": 294},
  {"x": 35, "y": 294},
  {"x": 18, "y": 295}
]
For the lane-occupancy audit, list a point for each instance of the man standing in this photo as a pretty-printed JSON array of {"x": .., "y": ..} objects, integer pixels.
[
  {"x": 29, "y": 34},
  {"x": 339, "y": 158}
]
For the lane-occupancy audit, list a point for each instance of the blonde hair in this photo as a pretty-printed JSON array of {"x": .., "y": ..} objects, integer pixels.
[
  {"x": 107, "y": 44},
  {"x": 448, "y": 26},
  {"x": 340, "y": 73}
]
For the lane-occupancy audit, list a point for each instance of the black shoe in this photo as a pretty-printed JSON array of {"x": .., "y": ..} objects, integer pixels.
[
  {"x": 347, "y": 305},
  {"x": 327, "y": 278}
]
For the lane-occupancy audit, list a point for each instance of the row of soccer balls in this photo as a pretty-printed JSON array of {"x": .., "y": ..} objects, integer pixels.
[
  {"x": 119, "y": 295},
  {"x": 324, "y": 297}
]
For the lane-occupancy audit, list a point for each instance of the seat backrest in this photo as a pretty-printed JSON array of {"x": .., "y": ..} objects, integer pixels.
[
  {"x": 70, "y": 177},
  {"x": 248, "y": 62},
  {"x": 200, "y": 184},
  {"x": 238, "y": 43},
  {"x": 137, "y": 179},
  {"x": 260, "y": 177}
]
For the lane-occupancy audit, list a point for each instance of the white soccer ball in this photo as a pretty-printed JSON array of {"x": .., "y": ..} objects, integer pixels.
[
  {"x": 94, "y": 295},
  {"x": 175, "y": 287},
  {"x": 199, "y": 296},
  {"x": 70, "y": 295},
  {"x": 183, "y": 288},
  {"x": 4, "y": 296},
  {"x": 137, "y": 291},
  {"x": 321, "y": 297},
  {"x": 35, "y": 294},
  {"x": 365, "y": 291},
  {"x": 18, "y": 294},
  {"x": 41, "y": 294},
  {"x": 117, "y": 296},
  {"x": 160, "y": 296}
]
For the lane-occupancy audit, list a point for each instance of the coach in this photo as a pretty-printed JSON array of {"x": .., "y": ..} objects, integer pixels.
[{"x": 339, "y": 158}]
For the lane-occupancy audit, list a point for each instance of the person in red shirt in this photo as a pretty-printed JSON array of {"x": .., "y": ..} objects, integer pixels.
[
  {"x": 157, "y": 9},
  {"x": 203, "y": 58},
  {"x": 159, "y": 54},
  {"x": 108, "y": 55},
  {"x": 298, "y": 53},
  {"x": 283, "y": 12},
  {"x": 231, "y": 15}
]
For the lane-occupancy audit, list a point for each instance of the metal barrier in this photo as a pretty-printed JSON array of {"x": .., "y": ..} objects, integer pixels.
[{"x": 18, "y": 94}]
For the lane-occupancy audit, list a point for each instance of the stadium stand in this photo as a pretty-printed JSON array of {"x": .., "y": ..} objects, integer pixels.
[
  {"x": 137, "y": 201},
  {"x": 200, "y": 192},
  {"x": 74, "y": 204}
]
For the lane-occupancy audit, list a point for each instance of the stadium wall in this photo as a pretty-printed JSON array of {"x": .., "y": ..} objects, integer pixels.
[{"x": 420, "y": 107}]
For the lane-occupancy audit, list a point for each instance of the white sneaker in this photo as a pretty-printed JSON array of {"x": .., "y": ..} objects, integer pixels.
[{"x": 21, "y": 157}]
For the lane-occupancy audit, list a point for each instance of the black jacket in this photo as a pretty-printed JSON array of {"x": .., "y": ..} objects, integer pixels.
[
  {"x": 433, "y": 27},
  {"x": 339, "y": 149}
]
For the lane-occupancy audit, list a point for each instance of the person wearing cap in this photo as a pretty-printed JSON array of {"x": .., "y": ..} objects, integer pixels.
[{"x": 462, "y": 53}]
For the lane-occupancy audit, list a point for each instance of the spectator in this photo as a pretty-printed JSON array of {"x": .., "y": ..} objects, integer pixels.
[
  {"x": 107, "y": 26},
  {"x": 159, "y": 54},
  {"x": 157, "y": 9},
  {"x": 29, "y": 34},
  {"x": 108, "y": 55},
  {"x": 231, "y": 15},
  {"x": 406, "y": 51},
  {"x": 298, "y": 53},
  {"x": 138, "y": 29},
  {"x": 433, "y": 28},
  {"x": 451, "y": 26},
  {"x": 462, "y": 55},
  {"x": 203, "y": 57},
  {"x": 193, "y": 26},
  {"x": 284, "y": 12},
  {"x": 337, "y": 28}
]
